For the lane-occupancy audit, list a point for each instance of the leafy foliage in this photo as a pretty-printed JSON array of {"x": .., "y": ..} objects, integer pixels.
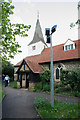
[
  {"x": 9, "y": 31},
  {"x": 60, "y": 111},
  {"x": 45, "y": 77},
  {"x": 74, "y": 24},
  {"x": 8, "y": 69},
  {"x": 57, "y": 90},
  {"x": 39, "y": 102},
  {"x": 44, "y": 85},
  {"x": 71, "y": 77},
  {"x": 14, "y": 84},
  {"x": 38, "y": 87},
  {"x": 77, "y": 22}
]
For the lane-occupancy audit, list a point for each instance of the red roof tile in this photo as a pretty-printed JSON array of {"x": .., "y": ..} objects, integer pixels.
[
  {"x": 35, "y": 67},
  {"x": 58, "y": 54}
]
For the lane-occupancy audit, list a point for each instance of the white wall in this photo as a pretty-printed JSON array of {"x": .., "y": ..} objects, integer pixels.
[
  {"x": 69, "y": 42},
  {"x": 39, "y": 48}
]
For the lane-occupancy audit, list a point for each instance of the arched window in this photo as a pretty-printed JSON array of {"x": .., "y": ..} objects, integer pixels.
[
  {"x": 57, "y": 73},
  {"x": 61, "y": 70}
]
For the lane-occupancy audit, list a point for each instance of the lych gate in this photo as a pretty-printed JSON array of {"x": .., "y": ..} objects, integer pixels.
[
  {"x": 23, "y": 74},
  {"x": 28, "y": 74}
]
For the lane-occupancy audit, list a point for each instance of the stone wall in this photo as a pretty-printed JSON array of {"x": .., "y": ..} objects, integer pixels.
[
  {"x": 64, "y": 65},
  {"x": 15, "y": 76},
  {"x": 72, "y": 64},
  {"x": 31, "y": 86}
]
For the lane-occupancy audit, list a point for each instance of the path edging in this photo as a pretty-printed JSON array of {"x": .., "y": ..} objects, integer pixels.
[{"x": 38, "y": 113}]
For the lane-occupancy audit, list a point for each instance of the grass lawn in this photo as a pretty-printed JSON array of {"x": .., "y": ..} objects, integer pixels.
[{"x": 60, "y": 110}]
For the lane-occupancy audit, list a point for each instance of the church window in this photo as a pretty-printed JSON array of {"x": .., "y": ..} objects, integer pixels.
[
  {"x": 61, "y": 70},
  {"x": 33, "y": 47},
  {"x": 57, "y": 73},
  {"x": 59, "y": 65}
]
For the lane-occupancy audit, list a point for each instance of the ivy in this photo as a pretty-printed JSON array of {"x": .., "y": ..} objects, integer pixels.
[{"x": 9, "y": 46}]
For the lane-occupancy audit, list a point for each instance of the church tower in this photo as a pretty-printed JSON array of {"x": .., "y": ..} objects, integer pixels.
[{"x": 37, "y": 45}]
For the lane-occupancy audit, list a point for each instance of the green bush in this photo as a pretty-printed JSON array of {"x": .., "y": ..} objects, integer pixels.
[
  {"x": 38, "y": 87},
  {"x": 14, "y": 84},
  {"x": 39, "y": 102},
  {"x": 76, "y": 93},
  {"x": 71, "y": 77},
  {"x": 8, "y": 69},
  {"x": 45, "y": 77},
  {"x": 46, "y": 87},
  {"x": 57, "y": 90},
  {"x": 59, "y": 85}
]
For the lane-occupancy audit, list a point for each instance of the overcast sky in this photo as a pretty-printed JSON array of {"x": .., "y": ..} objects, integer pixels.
[{"x": 61, "y": 12}]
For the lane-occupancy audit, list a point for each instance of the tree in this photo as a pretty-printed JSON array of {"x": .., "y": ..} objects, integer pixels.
[
  {"x": 8, "y": 69},
  {"x": 9, "y": 46}
]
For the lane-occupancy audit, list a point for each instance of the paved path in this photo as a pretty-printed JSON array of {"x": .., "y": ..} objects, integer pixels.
[{"x": 18, "y": 103}]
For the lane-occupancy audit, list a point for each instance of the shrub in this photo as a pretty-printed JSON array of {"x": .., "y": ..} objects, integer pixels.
[
  {"x": 46, "y": 87},
  {"x": 39, "y": 102},
  {"x": 76, "y": 93},
  {"x": 14, "y": 84},
  {"x": 38, "y": 87},
  {"x": 45, "y": 77},
  {"x": 57, "y": 90},
  {"x": 71, "y": 77},
  {"x": 59, "y": 85}
]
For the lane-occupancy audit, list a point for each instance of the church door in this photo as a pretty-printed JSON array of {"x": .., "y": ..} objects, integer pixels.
[{"x": 27, "y": 80}]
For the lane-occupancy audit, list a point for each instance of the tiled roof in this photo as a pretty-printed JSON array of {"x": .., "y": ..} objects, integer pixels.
[
  {"x": 35, "y": 67},
  {"x": 58, "y": 54}
]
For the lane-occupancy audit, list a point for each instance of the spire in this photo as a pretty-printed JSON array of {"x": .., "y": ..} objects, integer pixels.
[
  {"x": 38, "y": 36},
  {"x": 37, "y": 14}
]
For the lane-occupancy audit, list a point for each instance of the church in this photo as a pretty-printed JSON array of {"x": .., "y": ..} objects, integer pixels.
[{"x": 65, "y": 56}]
